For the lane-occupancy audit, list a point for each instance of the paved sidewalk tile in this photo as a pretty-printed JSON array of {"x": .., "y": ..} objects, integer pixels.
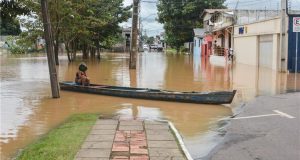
[
  {"x": 140, "y": 157},
  {"x": 93, "y": 153},
  {"x": 96, "y": 144},
  {"x": 160, "y": 137},
  {"x": 138, "y": 144},
  {"x": 162, "y": 152},
  {"x": 95, "y": 138},
  {"x": 155, "y": 123},
  {"x": 157, "y": 127},
  {"x": 103, "y": 132},
  {"x": 168, "y": 158},
  {"x": 137, "y": 136},
  {"x": 105, "y": 127},
  {"x": 138, "y": 151},
  {"x": 131, "y": 128},
  {"x": 120, "y": 147},
  {"x": 106, "y": 122},
  {"x": 162, "y": 144},
  {"x": 155, "y": 132},
  {"x": 120, "y": 158},
  {"x": 122, "y": 136},
  {"x": 131, "y": 123},
  {"x": 130, "y": 140}
]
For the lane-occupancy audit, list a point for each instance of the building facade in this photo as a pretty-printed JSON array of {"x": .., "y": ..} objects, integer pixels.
[
  {"x": 218, "y": 24},
  {"x": 198, "y": 40},
  {"x": 293, "y": 63},
  {"x": 123, "y": 46},
  {"x": 255, "y": 37},
  {"x": 258, "y": 43}
]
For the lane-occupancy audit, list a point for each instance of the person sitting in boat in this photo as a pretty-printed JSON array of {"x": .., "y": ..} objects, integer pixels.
[{"x": 81, "y": 77}]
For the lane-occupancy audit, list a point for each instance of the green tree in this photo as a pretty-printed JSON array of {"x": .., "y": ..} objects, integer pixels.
[
  {"x": 87, "y": 26},
  {"x": 82, "y": 25},
  {"x": 150, "y": 40},
  {"x": 10, "y": 9},
  {"x": 180, "y": 17}
]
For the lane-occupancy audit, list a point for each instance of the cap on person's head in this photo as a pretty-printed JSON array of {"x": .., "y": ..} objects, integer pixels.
[{"x": 83, "y": 67}]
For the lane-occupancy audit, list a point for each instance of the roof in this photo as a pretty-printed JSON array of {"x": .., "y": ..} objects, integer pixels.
[
  {"x": 217, "y": 10},
  {"x": 211, "y": 11},
  {"x": 199, "y": 32}
]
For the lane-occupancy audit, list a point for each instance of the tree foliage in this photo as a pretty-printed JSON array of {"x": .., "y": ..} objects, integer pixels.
[
  {"x": 150, "y": 40},
  {"x": 85, "y": 25},
  {"x": 10, "y": 9},
  {"x": 181, "y": 16}
]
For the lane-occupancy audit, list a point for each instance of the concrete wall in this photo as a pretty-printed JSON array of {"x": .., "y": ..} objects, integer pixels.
[
  {"x": 246, "y": 45},
  {"x": 262, "y": 27},
  {"x": 245, "y": 50}
]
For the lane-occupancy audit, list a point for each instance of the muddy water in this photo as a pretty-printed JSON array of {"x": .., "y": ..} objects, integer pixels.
[{"x": 27, "y": 111}]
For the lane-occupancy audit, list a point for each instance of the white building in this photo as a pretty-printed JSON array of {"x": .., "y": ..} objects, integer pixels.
[
  {"x": 198, "y": 38},
  {"x": 258, "y": 43}
]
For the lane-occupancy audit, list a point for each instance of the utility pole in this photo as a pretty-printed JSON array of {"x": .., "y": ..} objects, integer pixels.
[
  {"x": 282, "y": 60},
  {"x": 49, "y": 47},
  {"x": 134, "y": 35},
  {"x": 140, "y": 48}
]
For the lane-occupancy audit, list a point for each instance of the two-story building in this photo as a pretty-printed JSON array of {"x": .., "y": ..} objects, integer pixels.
[
  {"x": 218, "y": 26},
  {"x": 256, "y": 37}
]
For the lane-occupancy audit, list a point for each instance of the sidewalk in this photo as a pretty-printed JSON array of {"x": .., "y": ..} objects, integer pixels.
[
  {"x": 130, "y": 140},
  {"x": 267, "y": 129}
]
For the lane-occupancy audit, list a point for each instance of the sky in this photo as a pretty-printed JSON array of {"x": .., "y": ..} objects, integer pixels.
[
  {"x": 148, "y": 16},
  {"x": 152, "y": 27}
]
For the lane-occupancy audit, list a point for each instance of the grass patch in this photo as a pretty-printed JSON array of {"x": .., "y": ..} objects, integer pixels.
[{"x": 63, "y": 142}]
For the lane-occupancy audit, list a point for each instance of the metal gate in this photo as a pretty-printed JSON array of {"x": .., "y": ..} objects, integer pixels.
[
  {"x": 293, "y": 56},
  {"x": 265, "y": 51}
]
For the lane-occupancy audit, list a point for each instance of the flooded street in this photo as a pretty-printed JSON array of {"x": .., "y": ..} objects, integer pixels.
[{"x": 28, "y": 111}]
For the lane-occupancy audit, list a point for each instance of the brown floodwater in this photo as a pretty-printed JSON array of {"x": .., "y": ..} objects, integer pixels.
[{"x": 28, "y": 111}]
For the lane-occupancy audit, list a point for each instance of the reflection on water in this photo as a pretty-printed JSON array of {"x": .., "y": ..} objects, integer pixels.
[{"x": 27, "y": 111}]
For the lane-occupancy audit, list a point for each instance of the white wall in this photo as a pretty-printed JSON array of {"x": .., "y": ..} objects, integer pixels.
[
  {"x": 197, "y": 48},
  {"x": 270, "y": 26},
  {"x": 265, "y": 54},
  {"x": 246, "y": 46},
  {"x": 276, "y": 52},
  {"x": 245, "y": 50}
]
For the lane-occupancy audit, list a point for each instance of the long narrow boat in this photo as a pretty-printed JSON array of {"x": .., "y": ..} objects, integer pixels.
[{"x": 222, "y": 97}]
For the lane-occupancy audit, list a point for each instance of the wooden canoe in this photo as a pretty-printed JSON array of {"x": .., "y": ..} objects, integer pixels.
[{"x": 221, "y": 97}]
